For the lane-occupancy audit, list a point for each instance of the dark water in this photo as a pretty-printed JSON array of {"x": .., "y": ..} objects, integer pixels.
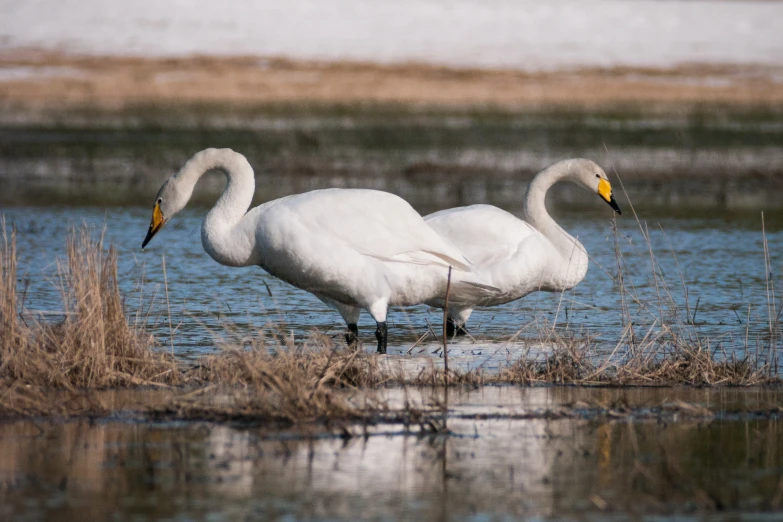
[
  {"x": 518, "y": 462},
  {"x": 720, "y": 260}
]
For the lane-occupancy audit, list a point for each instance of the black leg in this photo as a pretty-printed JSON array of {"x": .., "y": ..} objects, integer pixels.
[
  {"x": 382, "y": 335},
  {"x": 352, "y": 336},
  {"x": 451, "y": 326},
  {"x": 462, "y": 330},
  {"x": 453, "y": 330}
]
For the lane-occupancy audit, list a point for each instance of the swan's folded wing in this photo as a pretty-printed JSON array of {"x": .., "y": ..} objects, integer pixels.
[
  {"x": 377, "y": 224},
  {"x": 486, "y": 235},
  {"x": 421, "y": 257}
]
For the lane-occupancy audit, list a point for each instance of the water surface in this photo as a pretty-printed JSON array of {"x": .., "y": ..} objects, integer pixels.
[{"x": 720, "y": 260}]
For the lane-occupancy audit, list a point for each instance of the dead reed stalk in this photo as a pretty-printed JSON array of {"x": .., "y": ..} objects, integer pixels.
[
  {"x": 10, "y": 324},
  {"x": 445, "y": 329}
]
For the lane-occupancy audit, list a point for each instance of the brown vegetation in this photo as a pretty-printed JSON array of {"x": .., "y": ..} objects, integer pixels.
[
  {"x": 312, "y": 381},
  {"x": 50, "y": 368},
  {"x": 111, "y": 83},
  {"x": 55, "y": 368},
  {"x": 94, "y": 346}
]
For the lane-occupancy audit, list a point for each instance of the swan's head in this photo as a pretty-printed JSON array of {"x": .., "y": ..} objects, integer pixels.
[
  {"x": 176, "y": 191},
  {"x": 588, "y": 174},
  {"x": 172, "y": 197}
]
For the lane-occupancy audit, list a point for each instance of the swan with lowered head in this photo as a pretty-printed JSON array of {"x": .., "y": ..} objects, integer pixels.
[
  {"x": 353, "y": 248},
  {"x": 520, "y": 256}
]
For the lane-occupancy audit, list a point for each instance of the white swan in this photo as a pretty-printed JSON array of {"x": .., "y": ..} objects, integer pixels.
[
  {"x": 353, "y": 248},
  {"x": 519, "y": 257}
]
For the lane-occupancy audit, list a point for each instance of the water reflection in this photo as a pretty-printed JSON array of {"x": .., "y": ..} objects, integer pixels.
[{"x": 508, "y": 466}]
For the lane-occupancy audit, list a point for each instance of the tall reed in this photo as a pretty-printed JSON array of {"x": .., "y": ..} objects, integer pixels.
[
  {"x": 661, "y": 342},
  {"x": 94, "y": 345}
]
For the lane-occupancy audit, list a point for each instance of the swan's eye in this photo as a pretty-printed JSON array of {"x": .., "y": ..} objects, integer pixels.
[
  {"x": 597, "y": 175},
  {"x": 160, "y": 200}
]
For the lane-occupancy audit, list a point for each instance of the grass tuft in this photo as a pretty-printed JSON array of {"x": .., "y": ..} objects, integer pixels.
[
  {"x": 308, "y": 382},
  {"x": 94, "y": 345}
]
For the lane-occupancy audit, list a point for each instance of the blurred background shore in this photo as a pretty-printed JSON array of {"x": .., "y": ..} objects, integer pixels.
[{"x": 436, "y": 101}]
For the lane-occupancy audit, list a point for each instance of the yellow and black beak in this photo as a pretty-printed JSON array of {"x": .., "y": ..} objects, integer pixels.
[
  {"x": 605, "y": 191},
  {"x": 157, "y": 222}
]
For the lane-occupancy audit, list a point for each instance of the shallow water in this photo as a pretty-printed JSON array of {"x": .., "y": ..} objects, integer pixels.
[
  {"x": 720, "y": 260},
  {"x": 505, "y": 458}
]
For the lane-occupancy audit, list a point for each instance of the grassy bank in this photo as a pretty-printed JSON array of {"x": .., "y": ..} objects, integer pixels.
[{"x": 111, "y": 81}]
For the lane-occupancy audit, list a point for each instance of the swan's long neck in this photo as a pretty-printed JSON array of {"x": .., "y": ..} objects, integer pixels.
[
  {"x": 573, "y": 255},
  {"x": 222, "y": 234}
]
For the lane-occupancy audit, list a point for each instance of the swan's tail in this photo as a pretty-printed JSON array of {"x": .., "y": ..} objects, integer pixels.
[
  {"x": 467, "y": 286},
  {"x": 466, "y": 289}
]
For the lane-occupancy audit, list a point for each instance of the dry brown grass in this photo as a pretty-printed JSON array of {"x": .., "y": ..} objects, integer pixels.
[
  {"x": 661, "y": 358},
  {"x": 54, "y": 369},
  {"x": 685, "y": 365},
  {"x": 317, "y": 361},
  {"x": 112, "y": 83},
  {"x": 695, "y": 367},
  {"x": 57, "y": 368},
  {"x": 308, "y": 382},
  {"x": 564, "y": 365},
  {"x": 661, "y": 344},
  {"x": 94, "y": 346}
]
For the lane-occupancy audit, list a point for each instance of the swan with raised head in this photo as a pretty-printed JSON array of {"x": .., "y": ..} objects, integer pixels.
[
  {"x": 353, "y": 248},
  {"x": 520, "y": 256}
]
